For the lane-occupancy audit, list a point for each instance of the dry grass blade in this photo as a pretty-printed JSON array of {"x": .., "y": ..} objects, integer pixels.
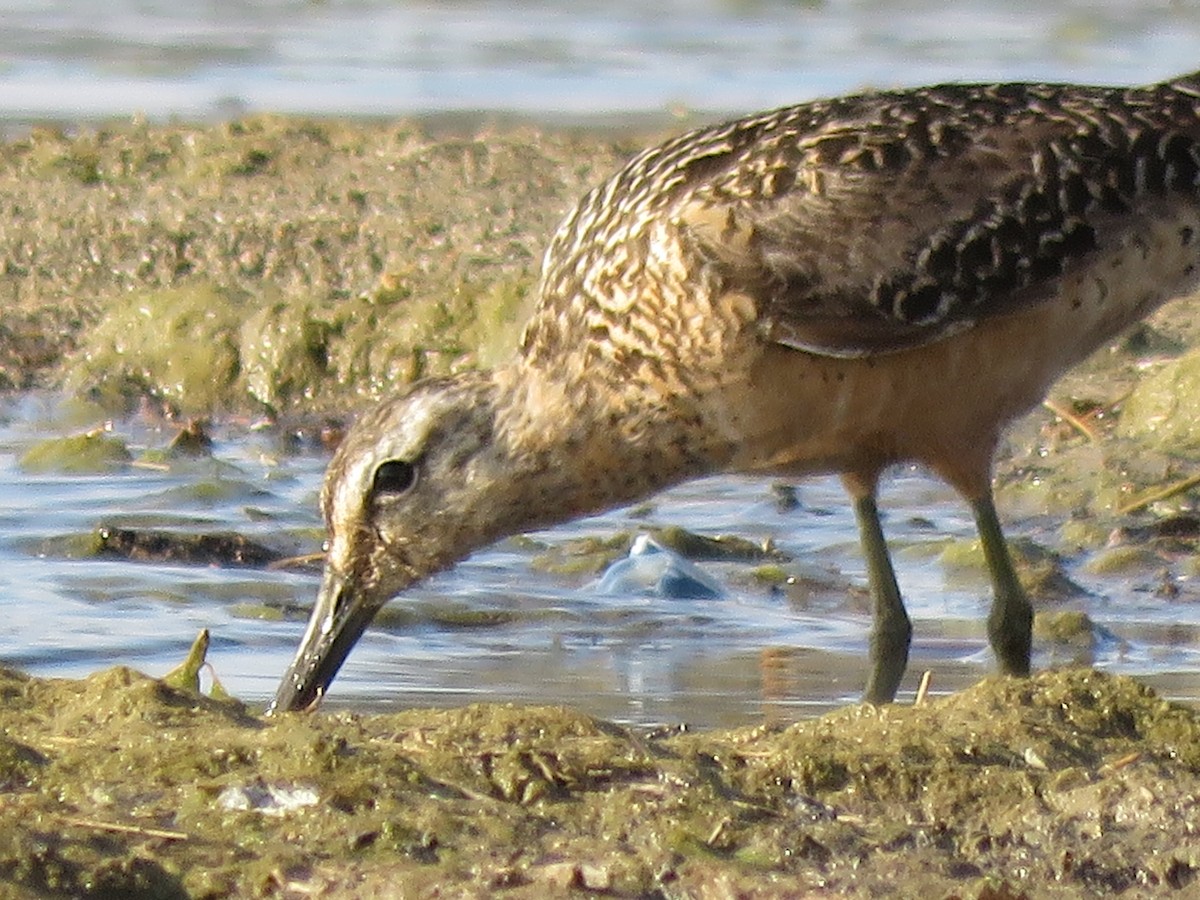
[
  {"x": 1162, "y": 493},
  {"x": 923, "y": 687},
  {"x": 118, "y": 828},
  {"x": 1071, "y": 419}
]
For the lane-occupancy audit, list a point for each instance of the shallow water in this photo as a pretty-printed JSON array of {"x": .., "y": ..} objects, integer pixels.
[
  {"x": 495, "y": 627},
  {"x": 72, "y": 59}
]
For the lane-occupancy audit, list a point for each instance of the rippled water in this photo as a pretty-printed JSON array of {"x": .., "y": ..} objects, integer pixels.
[
  {"x": 73, "y": 58},
  {"x": 496, "y": 627}
]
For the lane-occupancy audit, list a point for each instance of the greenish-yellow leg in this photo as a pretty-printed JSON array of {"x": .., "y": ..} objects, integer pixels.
[
  {"x": 892, "y": 631},
  {"x": 1010, "y": 623}
]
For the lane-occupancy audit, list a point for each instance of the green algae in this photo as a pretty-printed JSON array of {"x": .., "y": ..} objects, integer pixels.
[
  {"x": 1070, "y": 636},
  {"x": 93, "y": 452},
  {"x": 590, "y": 555},
  {"x": 583, "y": 556},
  {"x": 260, "y": 611},
  {"x": 186, "y": 676},
  {"x": 283, "y": 351},
  {"x": 1066, "y": 626},
  {"x": 1069, "y": 784},
  {"x": 175, "y": 343},
  {"x": 274, "y": 262},
  {"x": 771, "y": 574},
  {"x": 1122, "y": 560},
  {"x": 1041, "y": 571},
  {"x": 1164, "y": 408}
]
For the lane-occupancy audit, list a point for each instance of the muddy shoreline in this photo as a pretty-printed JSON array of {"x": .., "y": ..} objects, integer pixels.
[
  {"x": 296, "y": 270},
  {"x": 1071, "y": 784}
]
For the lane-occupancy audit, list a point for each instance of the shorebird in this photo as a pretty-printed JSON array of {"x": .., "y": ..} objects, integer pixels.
[{"x": 832, "y": 287}]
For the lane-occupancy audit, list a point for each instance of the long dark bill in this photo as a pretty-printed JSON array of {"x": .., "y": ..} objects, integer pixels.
[{"x": 338, "y": 620}]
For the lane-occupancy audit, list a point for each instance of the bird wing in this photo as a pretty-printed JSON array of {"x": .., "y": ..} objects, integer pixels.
[{"x": 876, "y": 223}]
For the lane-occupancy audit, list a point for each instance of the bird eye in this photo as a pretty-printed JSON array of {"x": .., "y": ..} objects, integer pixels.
[{"x": 394, "y": 477}]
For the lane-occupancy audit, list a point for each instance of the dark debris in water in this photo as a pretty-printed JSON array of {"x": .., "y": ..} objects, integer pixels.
[
  {"x": 1069, "y": 784},
  {"x": 724, "y": 548},
  {"x": 177, "y": 547},
  {"x": 192, "y": 440},
  {"x": 591, "y": 555}
]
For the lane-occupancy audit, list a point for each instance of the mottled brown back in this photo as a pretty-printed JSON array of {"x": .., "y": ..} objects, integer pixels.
[{"x": 858, "y": 225}]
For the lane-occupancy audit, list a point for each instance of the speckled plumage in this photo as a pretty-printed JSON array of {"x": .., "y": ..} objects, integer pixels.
[
  {"x": 869, "y": 223},
  {"x": 835, "y": 286}
]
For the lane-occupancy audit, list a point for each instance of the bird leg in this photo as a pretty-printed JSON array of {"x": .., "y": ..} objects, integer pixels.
[
  {"x": 1010, "y": 623},
  {"x": 891, "y": 632}
]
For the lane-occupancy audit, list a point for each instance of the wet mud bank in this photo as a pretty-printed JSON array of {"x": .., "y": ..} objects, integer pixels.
[
  {"x": 1070, "y": 784},
  {"x": 273, "y": 263}
]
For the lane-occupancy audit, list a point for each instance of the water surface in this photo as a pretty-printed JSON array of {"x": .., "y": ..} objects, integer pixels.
[
  {"x": 73, "y": 59},
  {"x": 497, "y": 627}
]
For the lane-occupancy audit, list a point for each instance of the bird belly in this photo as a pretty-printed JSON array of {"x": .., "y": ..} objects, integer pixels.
[{"x": 945, "y": 403}]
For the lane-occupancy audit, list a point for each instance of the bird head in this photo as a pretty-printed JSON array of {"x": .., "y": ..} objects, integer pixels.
[
  {"x": 417, "y": 484},
  {"x": 456, "y": 463}
]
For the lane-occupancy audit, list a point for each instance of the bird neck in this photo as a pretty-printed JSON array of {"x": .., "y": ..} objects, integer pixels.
[{"x": 581, "y": 448}]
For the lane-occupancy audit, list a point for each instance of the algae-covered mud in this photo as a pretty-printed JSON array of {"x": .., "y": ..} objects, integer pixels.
[
  {"x": 280, "y": 271},
  {"x": 1071, "y": 784},
  {"x": 273, "y": 263}
]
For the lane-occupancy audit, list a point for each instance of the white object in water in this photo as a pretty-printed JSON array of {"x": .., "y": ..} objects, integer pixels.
[{"x": 654, "y": 570}]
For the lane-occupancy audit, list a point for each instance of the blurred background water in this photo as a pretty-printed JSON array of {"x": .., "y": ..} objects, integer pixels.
[
  {"x": 69, "y": 59},
  {"x": 495, "y": 628}
]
